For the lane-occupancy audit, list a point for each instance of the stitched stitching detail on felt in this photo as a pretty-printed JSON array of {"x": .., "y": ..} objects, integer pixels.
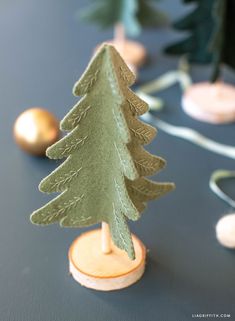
[
  {"x": 117, "y": 187},
  {"x": 80, "y": 220},
  {"x": 125, "y": 74},
  {"x": 117, "y": 221},
  {"x": 112, "y": 79},
  {"x": 77, "y": 117},
  {"x": 89, "y": 82},
  {"x": 136, "y": 108},
  {"x": 59, "y": 182},
  {"x": 148, "y": 192},
  {"x": 72, "y": 145},
  {"x": 142, "y": 134},
  {"x": 114, "y": 84},
  {"x": 124, "y": 162},
  {"x": 121, "y": 123},
  {"x": 143, "y": 190},
  {"x": 147, "y": 166},
  {"x": 127, "y": 213},
  {"x": 61, "y": 209}
]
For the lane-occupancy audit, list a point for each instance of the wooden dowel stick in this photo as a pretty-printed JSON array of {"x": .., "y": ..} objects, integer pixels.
[
  {"x": 105, "y": 239},
  {"x": 119, "y": 35}
]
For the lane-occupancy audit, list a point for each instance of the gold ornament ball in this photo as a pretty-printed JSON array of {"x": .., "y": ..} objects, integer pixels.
[{"x": 35, "y": 130}]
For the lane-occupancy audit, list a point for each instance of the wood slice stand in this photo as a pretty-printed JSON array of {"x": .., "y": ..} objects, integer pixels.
[
  {"x": 99, "y": 265},
  {"x": 211, "y": 103}
]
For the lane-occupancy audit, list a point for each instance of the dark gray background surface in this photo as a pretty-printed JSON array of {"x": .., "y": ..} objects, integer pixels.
[{"x": 43, "y": 52}]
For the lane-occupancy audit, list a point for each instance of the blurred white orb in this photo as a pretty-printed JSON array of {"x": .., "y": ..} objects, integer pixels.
[{"x": 225, "y": 231}]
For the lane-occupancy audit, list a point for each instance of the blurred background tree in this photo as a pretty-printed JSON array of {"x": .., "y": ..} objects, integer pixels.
[
  {"x": 211, "y": 26},
  {"x": 127, "y": 17}
]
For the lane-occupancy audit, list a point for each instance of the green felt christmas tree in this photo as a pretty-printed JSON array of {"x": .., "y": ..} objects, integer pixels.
[
  {"x": 103, "y": 177},
  {"x": 223, "y": 41},
  {"x": 211, "y": 26},
  {"x": 132, "y": 14},
  {"x": 200, "y": 25}
]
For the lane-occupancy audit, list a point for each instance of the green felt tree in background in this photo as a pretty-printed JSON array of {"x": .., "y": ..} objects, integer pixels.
[
  {"x": 200, "y": 25},
  {"x": 223, "y": 41},
  {"x": 103, "y": 177},
  {"x": 132, "y": 14},
  {"x": 211, "y": 26},
  {"x": 127, "y": 17}
]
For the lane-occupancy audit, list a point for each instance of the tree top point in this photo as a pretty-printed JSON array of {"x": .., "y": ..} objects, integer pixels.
[{"x": 107, "y": 47}]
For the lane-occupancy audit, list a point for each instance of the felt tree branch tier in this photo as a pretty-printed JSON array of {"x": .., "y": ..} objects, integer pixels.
[{"x": 103, "y": 178}]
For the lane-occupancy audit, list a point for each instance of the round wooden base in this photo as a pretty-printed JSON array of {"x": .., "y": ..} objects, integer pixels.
[
  {"x": 105, "y": 272},
  {"x": 211, "y": 103}
]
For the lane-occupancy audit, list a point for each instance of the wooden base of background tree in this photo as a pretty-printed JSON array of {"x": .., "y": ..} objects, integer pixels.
[
  {"x": 132, "y": 52},
  {"x": 211, "y": 103},
  {"x": 94, "y": 269}
]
